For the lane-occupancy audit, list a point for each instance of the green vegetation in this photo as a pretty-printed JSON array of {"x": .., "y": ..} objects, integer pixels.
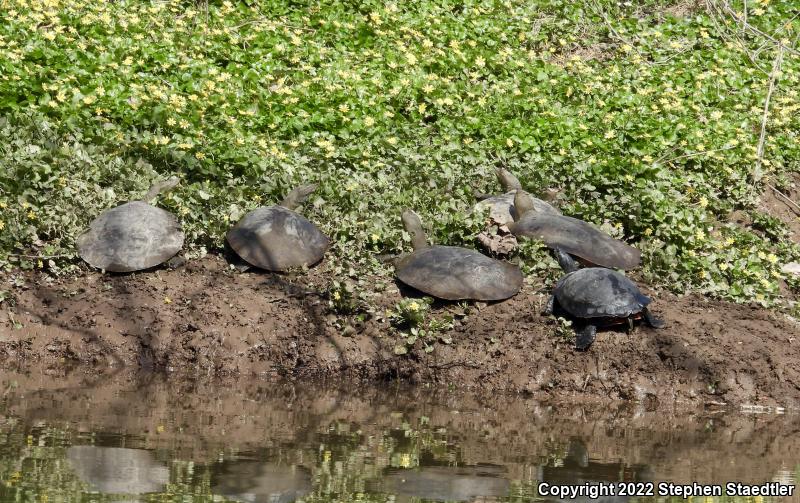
[{"x": 648, "y": 117}]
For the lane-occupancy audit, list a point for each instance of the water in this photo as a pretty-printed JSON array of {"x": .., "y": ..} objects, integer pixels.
[{"x": 144, "y": 438}]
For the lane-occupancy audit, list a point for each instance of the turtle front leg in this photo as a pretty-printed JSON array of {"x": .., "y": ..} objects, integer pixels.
[
  {"x": 548, "y": 308},
  {"x": 584, "y": 337},
  {"x": 651, "y": 319}
]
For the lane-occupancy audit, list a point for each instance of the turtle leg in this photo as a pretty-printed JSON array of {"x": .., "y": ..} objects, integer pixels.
[
  {"x": 652, "y": 320},
  {"x": 548, "y": 309},
  {"x": 630, "y": 324},
  {"x": 584, "y": 336},
  {"x": 566, "y": 262}
]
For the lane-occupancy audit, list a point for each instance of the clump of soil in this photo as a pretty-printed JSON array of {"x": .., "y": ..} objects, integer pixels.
[{"x": 207, "y": 319}]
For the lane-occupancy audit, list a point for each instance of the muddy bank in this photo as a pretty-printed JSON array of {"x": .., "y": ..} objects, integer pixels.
[{"x": 206, "y": 319}]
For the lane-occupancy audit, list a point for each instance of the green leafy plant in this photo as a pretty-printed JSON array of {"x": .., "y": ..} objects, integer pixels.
[
  {"x": 410, "y": 317},
  {"x": 648, "y": 121}
]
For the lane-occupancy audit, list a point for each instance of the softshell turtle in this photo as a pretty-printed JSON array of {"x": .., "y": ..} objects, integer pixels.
[
  {"x": 452, "y": 272},
  {"x": 501, "y": 207},
  {"x": 597, "y": 296},
  {"x": 569, "y": 235},
  {"x": 277, "y": 238},
  {"x": 497, "y": 238},
  {"x": 133, "y": 236}
]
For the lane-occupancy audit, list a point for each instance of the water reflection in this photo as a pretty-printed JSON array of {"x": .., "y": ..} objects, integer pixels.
[
  {"x": 256, "y": 482},
  {"x": 117, "y": 470},
  {"x": 446, "y": 483},
  {"x": 264, "y": 441}
]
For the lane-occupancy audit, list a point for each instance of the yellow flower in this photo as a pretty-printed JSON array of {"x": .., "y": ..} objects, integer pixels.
[
  {"x": 723, "y": 267},
  {"x": 480, "y": 62},
  {"x": 413, "y": 306},
  {"x": 392, "y": 140},
  {"x": 703, "y": 202},
  {"x": 31, "y": 215},
  {"x": 374, "y": 237},
  {"x": 167, "y": 300},
  {"x": 171, "y": 121},
  {"x": 337, "y": 296},
  {"x": 200, "y": 155},
  {"x": 369, "y": 121},
  {"x": 510, "y": 142},
  {"x": 2, "y": 225},
  {"x": 422, "y": 107}
]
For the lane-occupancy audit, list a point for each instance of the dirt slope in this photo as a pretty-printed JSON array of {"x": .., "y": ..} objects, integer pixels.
[{"x": 205, "y": 319}]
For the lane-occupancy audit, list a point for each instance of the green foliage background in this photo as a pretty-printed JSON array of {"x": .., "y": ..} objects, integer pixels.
[{"x": 647, "y": 115}]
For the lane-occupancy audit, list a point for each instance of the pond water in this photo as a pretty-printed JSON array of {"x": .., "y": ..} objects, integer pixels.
[{"x": 147, "y": 438}]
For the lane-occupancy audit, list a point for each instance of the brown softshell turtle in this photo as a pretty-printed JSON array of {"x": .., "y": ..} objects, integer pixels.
[
  {"x": 501, "y": 207},
  {"x": 569, "y": 235},
  {"x": 277, "y": 238},
  {"x": 597, "y": 297},
  {"x": 452, "y": 272},
  {"x": 132, "y": 236}
]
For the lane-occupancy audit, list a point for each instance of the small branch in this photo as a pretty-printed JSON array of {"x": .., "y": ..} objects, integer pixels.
[
  {"x": 773, "y": 77},
  {"x": 691, "y": 154},
  {"x": 793, "y": 205},
  {"x": 41, "y": 257},
  {"x": 755, "y": 30}
]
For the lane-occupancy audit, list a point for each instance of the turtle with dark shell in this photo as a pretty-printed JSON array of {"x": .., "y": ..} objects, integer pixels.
[
  {"x": 452, "y": 272},
  {"x": 572, "y": 236},
  {"x": 133, "y": 236},
  {"x": 595, "y": 297},
  {"x": 277, "y": 238}
]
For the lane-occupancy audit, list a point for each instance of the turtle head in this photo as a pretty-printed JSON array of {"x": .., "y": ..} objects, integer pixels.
[
  {"x": 159, "y": 187},
  {"x": 296, "y": 197},
  {"x": 523, "y": 203},
  {"x": 507, "y": 179},
  {"x": 413, "y": 226}
]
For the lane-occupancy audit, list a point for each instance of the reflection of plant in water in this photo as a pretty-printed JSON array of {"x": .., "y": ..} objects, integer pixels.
[{"x": 344, "y": 462}]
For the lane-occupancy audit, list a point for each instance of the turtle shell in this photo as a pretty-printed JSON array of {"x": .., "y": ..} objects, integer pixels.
[
  {"x": 131, "y": 237},
  {"x": 276, "y": 239},
  {"x": 578, "y": 238},
  {"x": 597, "y": 292},
  {"x": 502, "y": 211},
  {"x": 454, "y": 273}
]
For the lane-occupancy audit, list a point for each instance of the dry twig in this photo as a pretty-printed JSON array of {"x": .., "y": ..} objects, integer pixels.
[{"x": 773, "y": 77}]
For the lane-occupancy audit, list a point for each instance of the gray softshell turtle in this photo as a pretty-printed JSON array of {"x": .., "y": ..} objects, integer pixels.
[
  {"x": 597, "y": 296},
  {"x": 277, "y": 238},
  {"x": 497, "y": 238},
  {"x": 452, "y": 272},
  {"x": 567, "y": 235},
  {"x": 133, "y": 236},
  {"x": 501, "y": 207}
]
